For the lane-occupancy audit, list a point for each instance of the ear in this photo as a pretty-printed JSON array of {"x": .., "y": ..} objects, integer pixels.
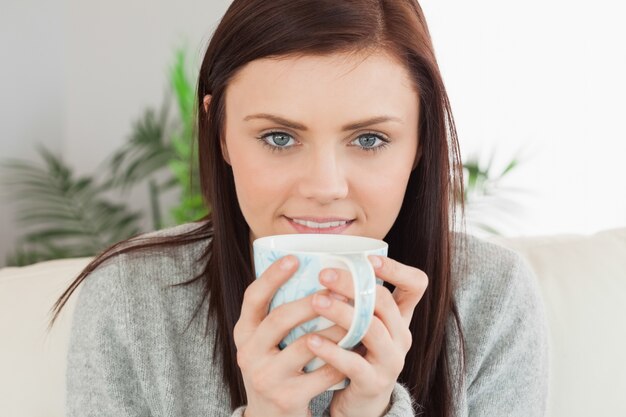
[{"x": 206, "y": 100}]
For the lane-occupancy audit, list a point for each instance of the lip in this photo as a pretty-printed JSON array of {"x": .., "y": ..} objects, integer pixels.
[
  {"x": 320, "y": 219},
  {"x": 328, "y": 230}
]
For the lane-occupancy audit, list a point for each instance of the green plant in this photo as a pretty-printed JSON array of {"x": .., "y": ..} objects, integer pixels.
[
  {"x": 67, "y": 217},
  {"x": 185, "y": 165},
  {"x": 158, "y": 143},
  {"x": 488, "y": 204},
  {"x": 63, "y": 216},
  {"x": 146, "y": 153}
]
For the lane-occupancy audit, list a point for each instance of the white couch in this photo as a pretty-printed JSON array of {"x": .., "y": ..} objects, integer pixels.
[{"x": 583, "y": 282}]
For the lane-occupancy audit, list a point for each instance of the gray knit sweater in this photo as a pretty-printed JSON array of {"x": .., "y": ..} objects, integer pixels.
[{"x": 129, "y": 354}]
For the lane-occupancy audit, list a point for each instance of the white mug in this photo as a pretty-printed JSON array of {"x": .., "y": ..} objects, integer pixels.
[{"x": 316, "y": 252}]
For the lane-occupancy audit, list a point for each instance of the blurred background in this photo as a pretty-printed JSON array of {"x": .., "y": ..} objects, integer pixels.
[{"x": 95, "y": 104}]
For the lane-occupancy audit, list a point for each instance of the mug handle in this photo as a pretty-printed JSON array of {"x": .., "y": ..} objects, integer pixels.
[
  {"x": 364, "y": 295},
  {"x": 364, "y": 302}
]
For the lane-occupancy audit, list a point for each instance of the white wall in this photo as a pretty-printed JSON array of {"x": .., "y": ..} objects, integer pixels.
[
  {"x": 75, "y": 75},
  {"x": 545, "y": 76},
  {"x": 32, "y": 88},
  {"x": 118, "y": 56}
]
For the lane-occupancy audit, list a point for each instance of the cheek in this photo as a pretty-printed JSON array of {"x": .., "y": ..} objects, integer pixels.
[
  {"x": 385, "y": 192},
  {"x": 258, "y": 182},
  {"x": 387, "y": 175},
  {"x": 382, "y": 194}
]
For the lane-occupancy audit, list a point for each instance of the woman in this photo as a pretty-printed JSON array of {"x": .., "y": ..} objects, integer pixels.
[{"x": 329, "y": 117}]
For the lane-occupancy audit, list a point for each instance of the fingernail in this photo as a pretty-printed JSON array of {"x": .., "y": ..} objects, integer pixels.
[
  {"x": 376, "y": 261},
  {"x": 329, "y": 275},
  {"x": 287, "y": 262},
  {"x": 315, "y": 340},
  {"x": 321, "y": 300}
]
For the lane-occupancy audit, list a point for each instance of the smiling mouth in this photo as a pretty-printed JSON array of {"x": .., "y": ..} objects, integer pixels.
[{"x": 307, "y": 226}]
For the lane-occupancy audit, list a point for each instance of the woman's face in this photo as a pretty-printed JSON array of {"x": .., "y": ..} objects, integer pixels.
[{"x": 321, "y": 139}]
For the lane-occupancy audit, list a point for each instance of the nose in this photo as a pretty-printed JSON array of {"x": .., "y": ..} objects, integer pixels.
[{"x": 323, "y": 177}]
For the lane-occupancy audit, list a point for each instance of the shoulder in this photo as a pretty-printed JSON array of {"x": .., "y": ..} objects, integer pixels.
[
  {"x": 128, "y": 305},
  {"x": 173, "y": 231},
  {"x": 169, "y": 261},
  {"x": 146, "y": 276},
  {"x": 498, "y": 300},
  {"x": 486, "y": 275}
]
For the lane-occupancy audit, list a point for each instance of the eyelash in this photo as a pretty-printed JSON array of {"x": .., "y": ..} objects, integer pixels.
[{"x": 385, "y": 141}]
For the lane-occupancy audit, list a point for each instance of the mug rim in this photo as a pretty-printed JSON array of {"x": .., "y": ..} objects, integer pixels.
[{"x": 265, "y": 242}]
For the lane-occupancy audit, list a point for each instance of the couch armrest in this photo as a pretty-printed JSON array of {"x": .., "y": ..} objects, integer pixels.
[
  {"x": 583, "y": 284},
  {"x": 32, "y": 360}
]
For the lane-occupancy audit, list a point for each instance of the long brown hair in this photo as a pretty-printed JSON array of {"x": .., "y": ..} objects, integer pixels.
[{"x": 422, "y": 233}]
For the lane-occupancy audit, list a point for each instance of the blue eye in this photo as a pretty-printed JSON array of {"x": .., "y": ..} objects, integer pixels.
[
  {"x": 280, "y": 139},
  {"x": 371, "y": 139}
]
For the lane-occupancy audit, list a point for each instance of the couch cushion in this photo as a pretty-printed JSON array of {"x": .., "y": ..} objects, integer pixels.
[
  {"x": 583, "y": 282},
  {"x": 32, "y": 361}
]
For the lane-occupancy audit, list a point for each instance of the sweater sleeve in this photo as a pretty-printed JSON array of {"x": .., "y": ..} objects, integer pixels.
[
  {"x": 512, "y": 378},
  {"x": 101, "y": 378},
  {"x": 239, "y": 411},
  {"x": 401, "y": 403}
]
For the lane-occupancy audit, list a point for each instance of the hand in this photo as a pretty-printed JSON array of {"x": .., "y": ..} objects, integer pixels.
[
  {"x": 387, "y": 341},
  {"x": 274, "y": 381}
]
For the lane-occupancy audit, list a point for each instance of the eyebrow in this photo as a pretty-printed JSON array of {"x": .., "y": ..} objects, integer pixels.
[{"x": 299, "y": 126}]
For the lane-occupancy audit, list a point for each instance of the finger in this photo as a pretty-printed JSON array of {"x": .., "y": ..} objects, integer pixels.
[
  {"x": 320, "y": 380},
  {"x": 297, "y": 354},
  {"x": 410, "y": 283},
  {"x": 386, "y": 307},
  {"x": 334, "y": 333},
  {"x": 281, "y": 320},
  {"x": 387, "y": 311},
  {"x": 348, "y": 363},
  {"x": 259, "y": 293},
  {"x": 377, "y": 339},
  {"x": 338, "y": 280}
]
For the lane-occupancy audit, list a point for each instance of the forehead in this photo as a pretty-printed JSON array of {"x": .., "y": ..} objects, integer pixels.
[{"x": 328, "y": 86}]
